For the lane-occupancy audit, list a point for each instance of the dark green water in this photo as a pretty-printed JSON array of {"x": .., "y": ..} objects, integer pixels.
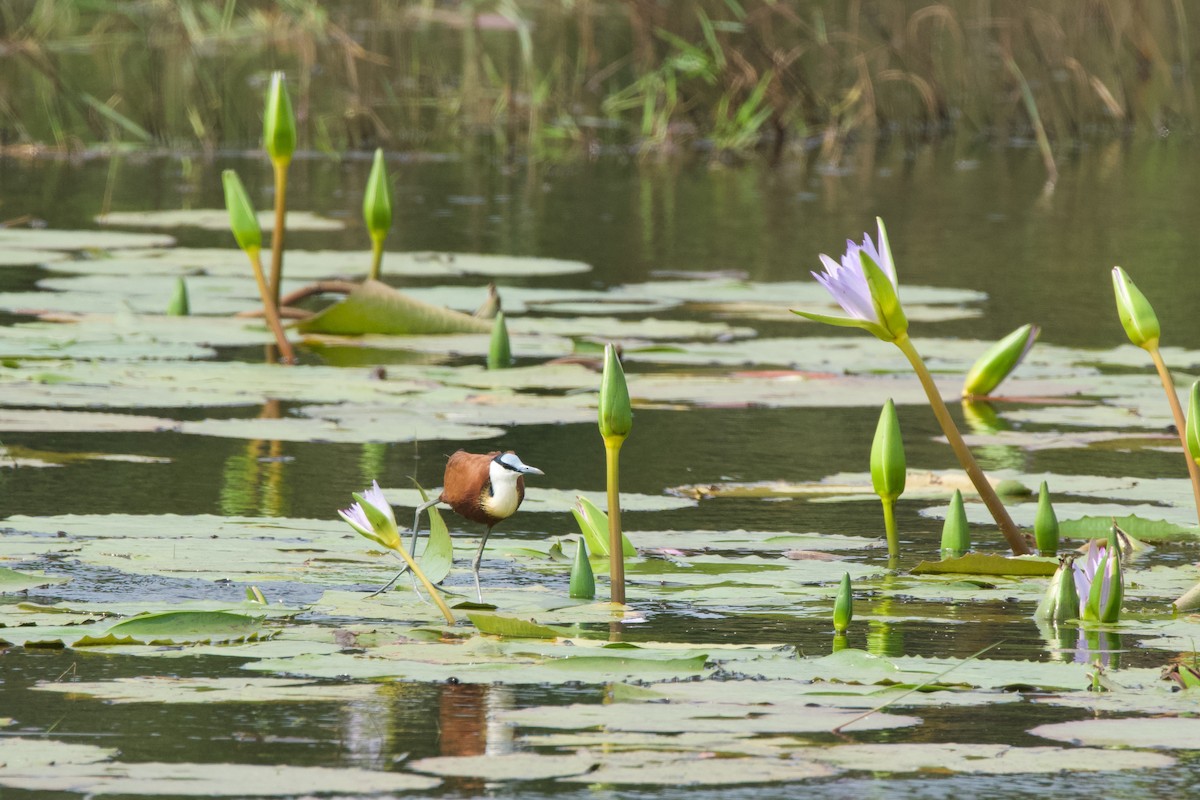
[{"x": 958, "y": 217}]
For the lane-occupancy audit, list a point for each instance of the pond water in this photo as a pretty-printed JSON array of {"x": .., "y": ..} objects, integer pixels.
[{"x": 961, "y": 220}]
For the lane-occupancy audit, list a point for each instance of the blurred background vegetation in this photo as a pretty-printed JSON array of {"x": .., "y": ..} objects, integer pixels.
[{"x": 726, "y": 79}]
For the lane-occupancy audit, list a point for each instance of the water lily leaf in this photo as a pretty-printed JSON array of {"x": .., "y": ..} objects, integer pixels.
[
  {"x": 980, "y": 759},
  {"x": 55, "y": 239},
  {"x": 1150, "y": 530},
  {"x": 182, "y": 779},
  {"x": 12, "y": 257},
  {"x": 183, "y": 627},
  {"x": 19, "y": 754},
  {"x": 663, "y": 769},
  {"x": 512, "y": 627},
  {"x": 990, "y": 564},
  {"x": 12, "y": 581},
  {"x": 559, "y": 501},
  {"x": 1167, "y": 733},
  {"x": 169, "y": 689},
  {"x": 375, "y": 307},
  {"x": 214, "y": 219},
  {"x": 50, "y": 420},
  {"x": 506, "y": 766},
  {"x": 438, "y": 556}
]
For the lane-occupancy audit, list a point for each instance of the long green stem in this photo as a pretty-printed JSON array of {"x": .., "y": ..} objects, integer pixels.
[
  {"x": 616, "y": 548},
  {"x": 1180, "y": 422},
  {"x": 376, "y": 258},
  {"x": 889, "y": 525},
  {"x": 1011, "y": 532},
  {"x": 281, "y": 168},
  {"x": 269, "y": 309},
  {"x": 433, "y": 592}
]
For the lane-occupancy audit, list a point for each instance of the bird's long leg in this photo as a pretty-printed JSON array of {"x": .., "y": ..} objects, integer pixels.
[
  {"x": 478, "y": 559},
  {"x": 412, "y": 546}
]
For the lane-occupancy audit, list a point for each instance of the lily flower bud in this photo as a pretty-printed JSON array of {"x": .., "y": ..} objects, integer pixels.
[
  {"x": 998, "y": 361},
  {"x": 242, "y": 220},
  {"x": 178, "y": 305},
  {"x": 843, "y": 606},
  {"x": 1193, "y": 423},
  {"x": 372, "y": 516},
  {"x": 279, "y": 123},
  {"x": 956, "y": 532},
  {"x": 377, "y": 200},
  {"x": 583, "y": 580},
  {"x": 499, "y": 352},
  {"x": 1061, "y": 602},
  {"x": 887, "y": 455},
  {"x": 1045, "y": 524},
  {"x": 1137, "y": 316},
  {"x": 616, "y": 415}
]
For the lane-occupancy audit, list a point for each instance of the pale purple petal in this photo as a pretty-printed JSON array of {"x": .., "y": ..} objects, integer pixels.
[
  {"x": 375, "y": 497},
  {"x": 357, "y": 518},
  {"x": 849, "y": 288}
]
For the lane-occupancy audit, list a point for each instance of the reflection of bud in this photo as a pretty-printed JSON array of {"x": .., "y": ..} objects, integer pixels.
[
  {"x": 887, "y": 455},
  {"x": 279, "y": 123},
  {"x": 1193, "y": 423},
  {"x": 616, "y": 416},
  {"x": 583, "y": 581},
  {"x": 1045, "y": 524},
  {"x": 956, "y": 533},
  {"x": 242, "y": 220},
  {"x": 843, "y": 606},
  {"x": 377, "y": 200},
  {"x": 1137, "y": 316},
  {"x": 499, "y": 352},
  {"x": 998, "y": 361}
]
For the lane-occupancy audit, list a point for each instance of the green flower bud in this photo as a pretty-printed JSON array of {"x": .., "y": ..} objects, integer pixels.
[
  {"x": 1061, "y": 602},
  {"x": 616, "y": 416},
  {"x": 998, "y": 361},
  {"x": 843, "y": 606},
  {"x": 377, "y": 200},
  {"x": 583, "y": 581},
  {"x": 255, "y": 595},
  {"x": 1193, "y": 423},
  {"x": 1137, "y": 316},
  {"x": 499, "y": 352},
  {"x": 279, "y": 123},
  {"x": 178, "y": 305},
  {"x": 242, "y": 220},
  {"x": 887, "y": 455},
  {"x": 956, "y": 532},
  {"x": 1045, "y": 524}
]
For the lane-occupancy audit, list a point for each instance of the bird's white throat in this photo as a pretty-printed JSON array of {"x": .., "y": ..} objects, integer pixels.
[{"x": 504, "y": 499}]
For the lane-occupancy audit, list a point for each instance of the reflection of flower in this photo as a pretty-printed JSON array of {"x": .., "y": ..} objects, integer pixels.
[
  {"x": 373, "y": 518},
  {"x": 864, "y": 285},
  {"x": 1099, "y": 582}
]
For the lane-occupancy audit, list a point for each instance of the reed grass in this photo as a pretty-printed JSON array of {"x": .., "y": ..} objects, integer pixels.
[{"x": 541, "y": 76}]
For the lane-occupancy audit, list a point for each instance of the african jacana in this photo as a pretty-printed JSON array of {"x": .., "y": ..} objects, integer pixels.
[{"x": 482, "y": 487}]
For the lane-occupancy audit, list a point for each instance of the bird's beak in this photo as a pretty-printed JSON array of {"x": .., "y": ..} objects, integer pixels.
[{"x": 528, "y": 470}]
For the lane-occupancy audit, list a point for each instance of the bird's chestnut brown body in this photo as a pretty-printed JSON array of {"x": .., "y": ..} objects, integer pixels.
[{"x": 468, "y": 489}]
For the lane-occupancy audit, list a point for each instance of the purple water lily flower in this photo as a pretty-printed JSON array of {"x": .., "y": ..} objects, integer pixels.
[
  {"x": 1101, "y": 563},
  {"x": 383, "y": 529}
]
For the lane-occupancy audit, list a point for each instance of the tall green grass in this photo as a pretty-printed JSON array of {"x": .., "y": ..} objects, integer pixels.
[{"x": 574, "y": 76}]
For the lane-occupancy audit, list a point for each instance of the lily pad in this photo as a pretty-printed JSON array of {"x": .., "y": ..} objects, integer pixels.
[
  {"x": 65, "y": 240},
  {"x": 1166, "y": 733},
  {"x": 214, "y": 219},
  {"x": 168, "y": 689},
  {"x": 12, "y": 581},
  {"x": 178, "y": 627},
  {"x": 989, "y": 564},
  {"x": 981, "y": 759},
  {"x": 654, "y": 768},
  {"x": 375, "y": 307},
  {"x": 506, "y": 766}
]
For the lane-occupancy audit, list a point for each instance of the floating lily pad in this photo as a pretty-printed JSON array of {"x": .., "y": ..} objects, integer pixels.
[
  {"x": 1166, "y": 733},
  {"x": 12, "y": 257},
  {"x": 214, "y": 219},
  {"x": 990, "y": 564},
  {"x": 19, "y": 754},
  {"x": 168, "y": 689},
  {"x": 506, "y": 766},
  {"x": 62, "y": 240},
  {"x": 12, "y": 581},
  {"x": 980, "y": 759},
  {"x": 183, "y": 779}
]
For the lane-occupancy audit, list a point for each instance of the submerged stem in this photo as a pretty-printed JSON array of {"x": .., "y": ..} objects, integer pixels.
[
  {"x": 1011, "y": 532},
  {"x": 616, "y": 545},
  {"x": 1180, "y": 422}
]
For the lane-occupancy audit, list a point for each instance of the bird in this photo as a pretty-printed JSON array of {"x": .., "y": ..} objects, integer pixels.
[{"x": 482, "y": 487}]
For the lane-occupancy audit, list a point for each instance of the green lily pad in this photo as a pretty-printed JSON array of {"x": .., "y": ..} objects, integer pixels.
[
  {"x": 1148, "y": 530},
  {"x": 182, "y": 627},
  {"x": 375, "y": 307},
  {"x": 19, "y": 754},
  {"x": 214, "y": 219},
  {"x": 512, "y": 627},
  {"x": 183, "y": 779},
  {"x": 12, "y": 581},
  {"x": 12, "y": 257},
  {"x": 1166, "y": 733},
  {"x": 989, "y": 564},
  {"x": 506, "y": 766},
  {"x": 168, "y": 689},
  {"x": 980, "y": 759},
  {"x": 62, "y": 240}
]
